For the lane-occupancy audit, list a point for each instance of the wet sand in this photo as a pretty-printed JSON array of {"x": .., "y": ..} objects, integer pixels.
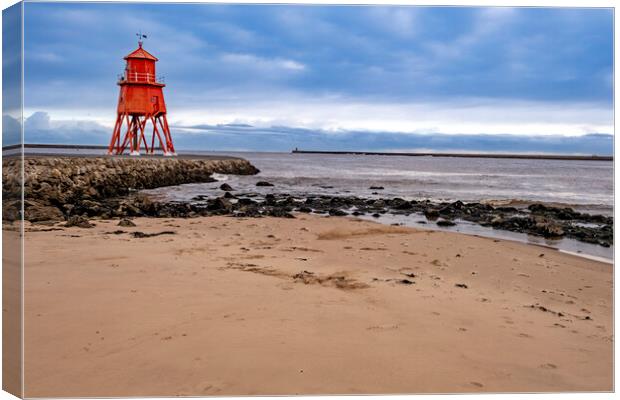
[{"x": 312, "y": 305}]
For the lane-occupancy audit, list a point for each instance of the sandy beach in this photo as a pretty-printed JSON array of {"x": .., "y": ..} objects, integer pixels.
[{"x": 311, "y": 305}]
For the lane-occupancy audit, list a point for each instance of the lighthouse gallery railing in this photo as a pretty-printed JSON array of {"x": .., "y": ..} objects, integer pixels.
[{"x": 140, "y": 77}]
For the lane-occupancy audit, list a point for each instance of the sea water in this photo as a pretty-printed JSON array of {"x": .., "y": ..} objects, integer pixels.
[{"x": 586, "y": 186}]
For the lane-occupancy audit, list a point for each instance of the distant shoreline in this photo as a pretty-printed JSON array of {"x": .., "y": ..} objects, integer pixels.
[
  {"x": 566, "y": 157},
  {"x": 465, "y": 155}
]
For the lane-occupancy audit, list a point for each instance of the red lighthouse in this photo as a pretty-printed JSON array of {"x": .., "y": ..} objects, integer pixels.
[{"x": 141, "y": 101}]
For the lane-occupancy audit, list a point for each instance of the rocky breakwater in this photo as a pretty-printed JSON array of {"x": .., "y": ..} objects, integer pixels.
[{"x": 58, "y": 188}]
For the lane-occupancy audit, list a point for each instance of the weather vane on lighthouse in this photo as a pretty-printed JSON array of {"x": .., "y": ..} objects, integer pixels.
[
  {"x": 140, "y": 37},
  {"x": 140, "y": 102}
]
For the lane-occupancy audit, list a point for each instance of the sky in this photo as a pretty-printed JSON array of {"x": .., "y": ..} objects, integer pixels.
[{"x": 381, "y": 78}]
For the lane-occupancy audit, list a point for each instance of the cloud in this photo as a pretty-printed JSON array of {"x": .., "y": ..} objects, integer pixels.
[
  {"x": 399, "y": 21},
  {"x": 252, "y": 61},
  {"x": 333, "y": 69},
  {"x": 226, "y": 137},
  {"x": 338, "y": 113},
  {"x": 456, "y": 116},
  {"x": 232, "y": 33},
  {"x": 11, "y": 130},
  {"x": 38, "y": 120},
  {"x": 40, "y": 128},
  {"x": 485, "y": 25},
  {"x": 237, "y": 136}
]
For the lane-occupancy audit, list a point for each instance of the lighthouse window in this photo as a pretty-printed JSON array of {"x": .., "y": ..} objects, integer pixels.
[{"x": 154, "y": 99}]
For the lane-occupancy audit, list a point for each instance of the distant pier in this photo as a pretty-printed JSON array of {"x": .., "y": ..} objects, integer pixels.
[{"x": 465, "y": 155}]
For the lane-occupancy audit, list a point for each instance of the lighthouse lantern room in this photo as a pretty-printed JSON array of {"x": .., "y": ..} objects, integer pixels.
[{"x": 141, "y": 107}]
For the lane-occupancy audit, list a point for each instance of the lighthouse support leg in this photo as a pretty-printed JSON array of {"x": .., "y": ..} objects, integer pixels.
[
  {"x": 127, "y": 139},
  {"x": 149, "y": 117},
  {"x": 169, "y": 147},
  {"x": 116, "y": 135},
  {"x": 135, "y": 139},
  {"x": 156, "y": 132}
]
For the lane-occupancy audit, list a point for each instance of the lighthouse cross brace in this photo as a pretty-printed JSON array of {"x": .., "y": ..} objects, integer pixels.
[
  {"x": 140, "y": 104},
  {"x": 134, "y": 136}
]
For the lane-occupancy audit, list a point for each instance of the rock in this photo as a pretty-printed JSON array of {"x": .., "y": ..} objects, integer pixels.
[
  {"x": 400, "y": 204},
  {"x": 245, "y": 201},
  {"x": 461, "y": 285},
  {"x": 226, "y": 187},
  {"x": 38, "y": 213},
  {"x": 457, "y": 205},
  {"x": 221, "y": 203},
  {"x": 336, "y": 212},
  {"x": 497, "y": 221},
  {"x": 447, "y": 210},
  {"x": 78, "y": 221},
  {"x": 141, "y": 235},
  {"x": 506, "y": 209},
  {"x": 549, "y": 229},
  {"x": 229, "y": 195},
  {"x": 126, "y": 223},
  {"x": 378, "y": 204},
  {"x": 537, "y": 208},
  {"x": 431, "y": 214},
  {"x": 90, "y": 207},
  {"x": 445, "y": 222},
  {"x": 10, "y": 212},
  {"x": 280, "y": 213},
  {"x": 376, "y": 188},
  {"x": 263, "y": 183}
]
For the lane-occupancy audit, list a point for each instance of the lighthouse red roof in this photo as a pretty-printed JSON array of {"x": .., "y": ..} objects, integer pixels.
[{"x": 141, "y": 53}]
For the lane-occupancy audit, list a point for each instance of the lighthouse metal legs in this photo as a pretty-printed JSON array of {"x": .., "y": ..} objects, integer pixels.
[{"x": 134, "y": 138}]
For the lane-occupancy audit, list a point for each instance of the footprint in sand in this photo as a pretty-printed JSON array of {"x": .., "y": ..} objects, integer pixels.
[
  {"x": 476, "y": 384},
  {"x": 548, "y": 366}
]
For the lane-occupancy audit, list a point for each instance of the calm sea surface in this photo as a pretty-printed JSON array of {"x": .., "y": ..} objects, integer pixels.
[{"x": 584, "y": 185}]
